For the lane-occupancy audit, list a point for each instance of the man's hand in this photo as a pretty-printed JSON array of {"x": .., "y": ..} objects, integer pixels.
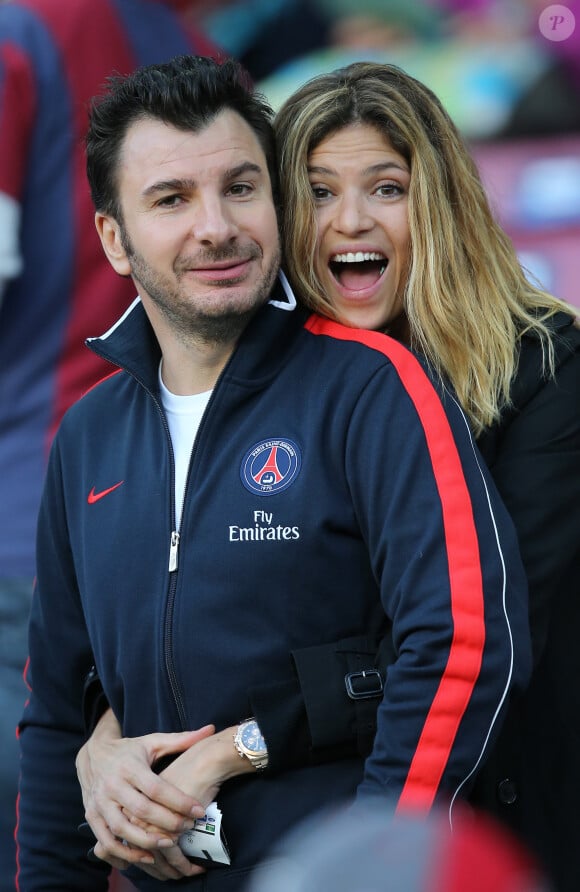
[{"x": 126, "y": 801}]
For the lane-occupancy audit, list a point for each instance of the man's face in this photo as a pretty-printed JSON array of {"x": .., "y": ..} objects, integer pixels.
[{"x": 199, "y": 233}]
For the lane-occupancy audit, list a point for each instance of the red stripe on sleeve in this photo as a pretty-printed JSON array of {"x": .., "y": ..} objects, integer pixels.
[{"x": 465, "y": 577}]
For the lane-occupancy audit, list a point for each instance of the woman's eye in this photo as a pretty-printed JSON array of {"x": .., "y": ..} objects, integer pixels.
[
  {"x": 390, "y": 189},
  {"x": 320, "y": 192}
]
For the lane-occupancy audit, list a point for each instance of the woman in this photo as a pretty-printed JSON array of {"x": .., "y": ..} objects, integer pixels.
[
  {"x": 387, "y": 226},
  {"x": 511, "y": 352}
]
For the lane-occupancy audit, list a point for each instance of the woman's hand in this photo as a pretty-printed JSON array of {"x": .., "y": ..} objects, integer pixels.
[{"x": 126, "y": 801}]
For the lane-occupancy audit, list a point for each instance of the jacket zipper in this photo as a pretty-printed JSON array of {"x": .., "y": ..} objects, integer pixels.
[
  {"x": 173, "y": 564},
  {"x": 174, "y": 538},
  {"x": 174, "y": 553}
]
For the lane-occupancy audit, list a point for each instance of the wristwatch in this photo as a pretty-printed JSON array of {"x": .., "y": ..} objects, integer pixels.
[{"x": 250, "y": 744}]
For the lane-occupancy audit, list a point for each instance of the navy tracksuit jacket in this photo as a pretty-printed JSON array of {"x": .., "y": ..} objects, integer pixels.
[{"x": 324, "y": 481}]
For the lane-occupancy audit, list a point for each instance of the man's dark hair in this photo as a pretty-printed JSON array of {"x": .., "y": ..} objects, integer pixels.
[{"x": 187, "y": 92}]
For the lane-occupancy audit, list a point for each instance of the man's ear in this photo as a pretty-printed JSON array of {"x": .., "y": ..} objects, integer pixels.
[{"x": 110, "y": 235}]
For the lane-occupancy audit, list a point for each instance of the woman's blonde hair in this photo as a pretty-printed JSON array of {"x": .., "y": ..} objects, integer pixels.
[{"x": 466, "y": 297}]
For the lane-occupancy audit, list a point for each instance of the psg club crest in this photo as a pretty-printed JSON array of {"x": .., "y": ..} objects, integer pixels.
[{"x": 270, "y": 466}]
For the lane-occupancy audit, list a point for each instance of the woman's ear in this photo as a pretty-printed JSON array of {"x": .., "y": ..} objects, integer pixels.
[{"x": 110, "y": 235}]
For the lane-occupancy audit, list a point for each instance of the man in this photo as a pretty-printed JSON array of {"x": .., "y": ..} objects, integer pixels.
[
  {"x": 56, "y": 286},
  {"x": 252, "y": 480}
]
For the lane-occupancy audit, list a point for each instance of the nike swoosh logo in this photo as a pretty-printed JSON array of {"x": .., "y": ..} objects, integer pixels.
[{"x": 96, "y": 496}]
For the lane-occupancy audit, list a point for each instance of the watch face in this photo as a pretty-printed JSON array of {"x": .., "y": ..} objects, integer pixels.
[{"x": 251, "y": 738}]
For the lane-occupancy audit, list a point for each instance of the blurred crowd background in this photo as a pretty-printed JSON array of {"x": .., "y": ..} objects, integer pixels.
[{"x": 508, "y": 72}]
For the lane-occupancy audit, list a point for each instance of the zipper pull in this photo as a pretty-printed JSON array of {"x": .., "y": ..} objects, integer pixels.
[{"x": 173, "y": 551}]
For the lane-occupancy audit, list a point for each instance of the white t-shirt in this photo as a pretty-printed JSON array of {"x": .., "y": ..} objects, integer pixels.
[{"x": 184, "y": 414}]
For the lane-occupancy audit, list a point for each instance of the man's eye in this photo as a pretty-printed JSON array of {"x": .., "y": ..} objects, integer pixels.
[
  {"x": 240, "y": 189},
  {"x": 169, "y": 201}
]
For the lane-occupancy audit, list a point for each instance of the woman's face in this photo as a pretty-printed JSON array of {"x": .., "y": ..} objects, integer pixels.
[{"x": 361, "y": 186}]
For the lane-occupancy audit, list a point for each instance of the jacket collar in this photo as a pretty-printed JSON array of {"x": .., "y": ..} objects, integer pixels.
[{"x": 131, "y": 343}]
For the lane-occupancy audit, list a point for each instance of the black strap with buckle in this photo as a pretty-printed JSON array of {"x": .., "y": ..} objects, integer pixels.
[{"x": 363, "y": 684}]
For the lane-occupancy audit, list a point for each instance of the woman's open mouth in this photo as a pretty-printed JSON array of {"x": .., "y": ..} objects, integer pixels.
[{"x": 357, "y": 271}]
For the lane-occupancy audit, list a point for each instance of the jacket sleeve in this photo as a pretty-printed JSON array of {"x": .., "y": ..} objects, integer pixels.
[
  {"x": 536, "y": 466},
  {"x": 446, "y": 556},
  {"x": 446, "y": 560},
  {"x": 51, "y": 851},
  {"x": 533, "y": 456}
]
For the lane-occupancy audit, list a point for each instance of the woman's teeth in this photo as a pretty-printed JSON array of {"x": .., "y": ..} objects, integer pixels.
[{"x": 357, "y": 257}]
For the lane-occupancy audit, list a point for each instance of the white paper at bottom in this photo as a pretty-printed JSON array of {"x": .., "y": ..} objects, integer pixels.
[{"x": 206, "y": 839}]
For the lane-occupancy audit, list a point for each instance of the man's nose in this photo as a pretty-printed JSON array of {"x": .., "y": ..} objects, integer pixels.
[{"x": 213, "y": 222}]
